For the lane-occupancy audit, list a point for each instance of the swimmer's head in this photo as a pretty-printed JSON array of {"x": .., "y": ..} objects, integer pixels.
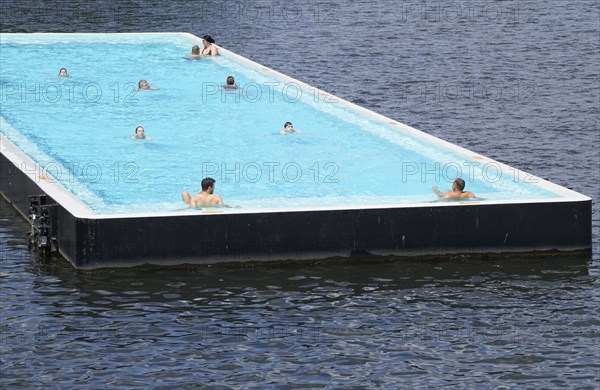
[
  {"x": 143, "y": 84},
  {"x": 230, "y": 80},
  {"x": 139, "y": 132},
  {"x": 288, "y": 126},
  {"x": 459, "y": 184},
  {"x": 208, "y": 39},
  {"x": 196, "y": 50},
  {"x": 62, "y": 72},
  {"x": 207, "y": 183}
]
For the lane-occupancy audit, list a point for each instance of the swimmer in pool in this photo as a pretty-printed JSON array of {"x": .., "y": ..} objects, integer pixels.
[
  {"x": 209, "y": 49},
  {"x": 457, "y": 191},
  {"x": 143, "y": 84},
  {"x": 288, "y": 128},
  {"x": 205, "y": 198},
  {"x": 230, "y": 84},
  {"x": 195, "y": 53},
  {"x": 140, "y": 134},
  {"x": 63, "y": 73}
]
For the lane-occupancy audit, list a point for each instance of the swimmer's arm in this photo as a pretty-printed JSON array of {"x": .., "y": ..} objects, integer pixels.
[
  {"x": 219, "y": 200},
  {"x": 185, "y": 196},
  {"x": 437, "y": 191},
  {"x": 153, "y": 87}
]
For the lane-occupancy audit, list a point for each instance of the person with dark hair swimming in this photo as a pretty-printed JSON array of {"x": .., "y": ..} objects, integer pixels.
[
  {"x": 205, "y": 198},
  {"x": 143, "y": 84},
  {"x": 457, "y": 191},
  {"x": 209, "y": 49},
  {"x": 140, "y": 134},
  {"x": 63, "y": 73},
  {"x": 230, "y": 84},
  {"x": 288, "y": 128},
  {"x": 196, "y": 55}
]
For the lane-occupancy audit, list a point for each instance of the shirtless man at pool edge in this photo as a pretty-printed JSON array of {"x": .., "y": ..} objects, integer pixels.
[
  {"x": 205, "y": 198},
  {"x": 457, "y": 191}
]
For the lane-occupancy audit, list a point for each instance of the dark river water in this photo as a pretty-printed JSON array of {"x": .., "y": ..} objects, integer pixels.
[{"x": 518, "y": 81}]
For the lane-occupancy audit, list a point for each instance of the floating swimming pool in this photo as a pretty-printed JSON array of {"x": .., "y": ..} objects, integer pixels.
[{"x": 70, "y": 139}]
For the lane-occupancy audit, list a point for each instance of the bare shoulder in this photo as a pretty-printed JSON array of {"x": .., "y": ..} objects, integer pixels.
[
  {"x": 450, "y": 195},
  {"x": 217, "y": 200}
]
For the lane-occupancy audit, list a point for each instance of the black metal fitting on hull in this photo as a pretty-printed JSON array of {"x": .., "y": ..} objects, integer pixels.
[{"x": 42, "y": 217}]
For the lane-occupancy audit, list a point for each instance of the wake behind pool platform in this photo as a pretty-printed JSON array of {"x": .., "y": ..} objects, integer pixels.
[{"x": 83, "y": 199}]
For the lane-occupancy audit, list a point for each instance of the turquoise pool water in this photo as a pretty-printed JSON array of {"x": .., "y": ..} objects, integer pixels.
[{"x": 79, "y": 129}]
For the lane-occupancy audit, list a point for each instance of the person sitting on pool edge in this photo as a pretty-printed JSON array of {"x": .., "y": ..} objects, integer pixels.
[
  {"x": 288, "y": 128},
  {"x": 230, "y": 84},
  {"x": 457, "y": 191},
  {"x": 143, "y": 84},
  {"x": 209, "y": 49},
  {"x": 205, "y": 198},
  {"x": 140, "y": 134},
  {"x": 195, "y": 53}
]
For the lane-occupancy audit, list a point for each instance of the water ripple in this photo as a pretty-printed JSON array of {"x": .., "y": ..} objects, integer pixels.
[{"x": 514, "y": 323}]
